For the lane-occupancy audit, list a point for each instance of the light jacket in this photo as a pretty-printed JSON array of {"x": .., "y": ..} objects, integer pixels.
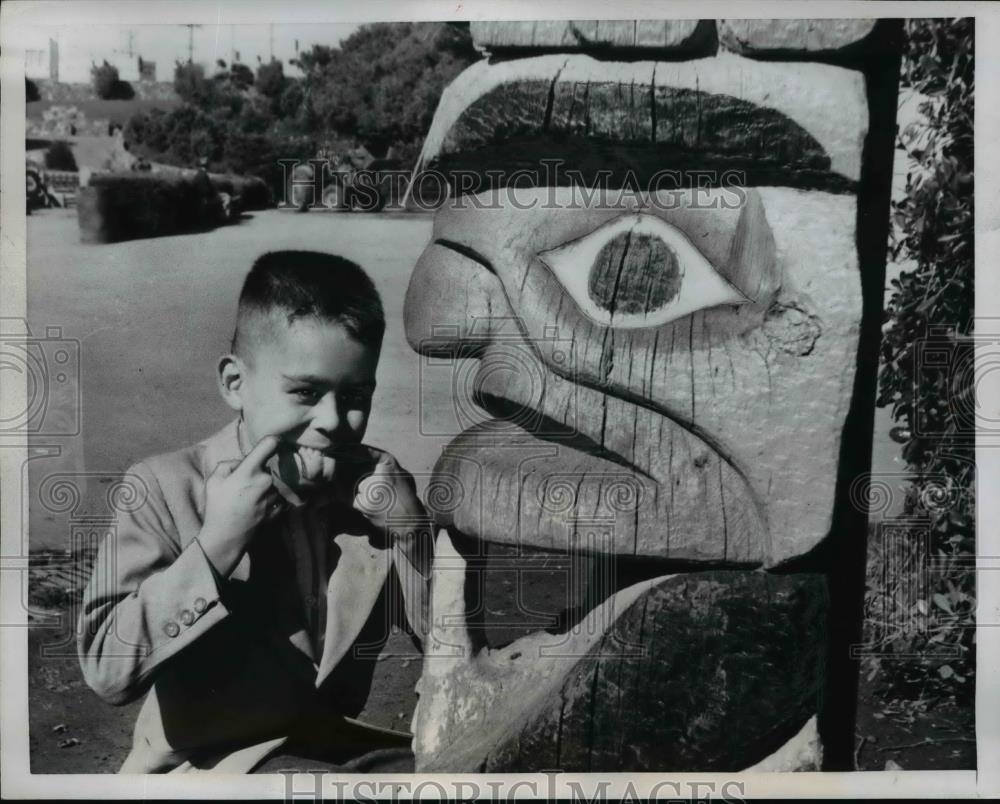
[{"x": 226, "y": 663}]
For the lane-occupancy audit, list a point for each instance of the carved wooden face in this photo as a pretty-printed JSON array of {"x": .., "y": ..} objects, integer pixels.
[{"x": 668, "y": 370}]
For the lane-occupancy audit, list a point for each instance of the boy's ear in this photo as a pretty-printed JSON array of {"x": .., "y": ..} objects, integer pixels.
[{"x": 231, "y": 375}]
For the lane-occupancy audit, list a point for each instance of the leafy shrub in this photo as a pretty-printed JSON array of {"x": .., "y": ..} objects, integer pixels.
[
  {"x": 191, "y": 84},
  {"x": 383, "y": 84},
  {"x": 123, "y": 91},
  {"x": 380, "y": 88},
  {"x": 260, "y": 155},
  {"x": 180, "y": 137},
  {"x": 251, "y": 191},
  {"x": 59, "y": 156},
  {"x": 270, "y": 81},
  {"x": 104, "y": 76},
  {"x": 121, "y": 206},
  {"x": 108, "y": 85},
  {"x": 241, "y": 76},
  {"x": 927, "y": 355}
]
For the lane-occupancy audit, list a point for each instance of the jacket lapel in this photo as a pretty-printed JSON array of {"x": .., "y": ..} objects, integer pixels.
[{"x": 353, "y": 588}]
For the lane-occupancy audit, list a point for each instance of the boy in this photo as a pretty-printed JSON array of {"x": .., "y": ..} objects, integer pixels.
[{"x": 251, "y": 585}]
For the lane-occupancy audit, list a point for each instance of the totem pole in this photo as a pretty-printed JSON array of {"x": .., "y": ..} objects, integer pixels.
[{"x": 664, "y": 247}]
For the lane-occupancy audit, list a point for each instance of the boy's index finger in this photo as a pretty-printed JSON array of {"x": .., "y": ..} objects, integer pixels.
[
  {"x": 261, "y": 453},
  {"x": 379, "y": 456}
]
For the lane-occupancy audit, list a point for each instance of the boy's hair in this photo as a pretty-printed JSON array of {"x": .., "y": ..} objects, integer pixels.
[{"x": 309, "y": 283}]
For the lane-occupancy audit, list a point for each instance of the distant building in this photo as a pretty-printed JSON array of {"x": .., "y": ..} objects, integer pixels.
[
  {"x": 147, "y": 70},
  {"x": 42, "y": 62}
]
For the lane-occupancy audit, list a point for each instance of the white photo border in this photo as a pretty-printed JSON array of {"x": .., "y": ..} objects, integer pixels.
[{"x": 15, "y": 779}]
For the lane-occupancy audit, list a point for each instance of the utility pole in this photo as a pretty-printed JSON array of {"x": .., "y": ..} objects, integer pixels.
[
  {"x": 270, "y": 36},
  {"x": 131, "y": 41},
  {"x": 191, "y": 28}
]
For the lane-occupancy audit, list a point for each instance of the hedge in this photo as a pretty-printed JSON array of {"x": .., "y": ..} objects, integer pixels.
[
  {"x": 251, "y": 192},
  {"x": 122, "y": 206},
  {"x": 59, "y": 156}
]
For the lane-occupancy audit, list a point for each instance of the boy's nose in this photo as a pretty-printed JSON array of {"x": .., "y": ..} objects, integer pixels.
[{"x": 325, "y": 415}]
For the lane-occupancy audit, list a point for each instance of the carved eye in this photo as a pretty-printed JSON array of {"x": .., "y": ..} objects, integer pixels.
[{"x": 638, "y": 271}]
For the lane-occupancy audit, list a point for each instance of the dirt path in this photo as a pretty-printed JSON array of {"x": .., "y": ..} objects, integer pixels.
[{"x": 71, "y": 730}]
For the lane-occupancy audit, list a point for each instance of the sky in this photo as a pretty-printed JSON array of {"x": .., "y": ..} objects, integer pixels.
[{"x": 80, "y": 46}]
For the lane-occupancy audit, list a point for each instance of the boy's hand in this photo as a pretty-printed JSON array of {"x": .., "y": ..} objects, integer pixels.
[
  {"x": 239, "y": 495},
  {"x": 387, "y": 489}
]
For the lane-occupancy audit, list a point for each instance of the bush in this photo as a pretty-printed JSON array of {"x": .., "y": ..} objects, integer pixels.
[
  {"x": 122, "y": 206},
  {"x": 180, "y": 137},
  {"x": 383, "y": 84},
  {"x": 270, "y": 80},
  {"x": 192, "y": 85},
  {"x": 380, "y": 89},
  {"x": 105, "y": 77},
  {"x": 123, "y": 91},
  {"x": 931, "y": 312},
  {"x": 31, "y": 93},
  {"x": 241, "y": 76},
  {"x": 108, "y": 85},
  {"x": 59, "y": 156},
  {"x": 251, "y": 191},
  {"x": 260, "y": 155}
]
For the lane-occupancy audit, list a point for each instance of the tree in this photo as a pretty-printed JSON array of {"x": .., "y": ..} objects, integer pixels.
[
  {"x": 241, "y": 76},
  {"x": 380, "y": 89},
  {"x": 270, "y": 80},
  {"x": 59, "y": 156},
  {"x": 926, "y": 373},
  {"x": 191, "y": 84},
  {"x": 108, "y": 85},
  {"x": 31, "y": 93},
  {"x": 235, "y": 77},
  {"x": 383, "y": 84},
  {"x": 104, "y": 77}
]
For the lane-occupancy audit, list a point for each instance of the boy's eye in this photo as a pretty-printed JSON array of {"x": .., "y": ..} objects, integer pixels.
[
  {"x": 355, "y": 399},
  {"x": 306, "y": 394}
]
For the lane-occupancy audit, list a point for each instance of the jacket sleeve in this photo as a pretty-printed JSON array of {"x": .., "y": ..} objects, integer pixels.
[{"x": 147, "y": 598}]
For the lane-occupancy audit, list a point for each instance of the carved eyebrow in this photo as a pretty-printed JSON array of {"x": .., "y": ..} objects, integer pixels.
[{"x": 466, "y": 251}]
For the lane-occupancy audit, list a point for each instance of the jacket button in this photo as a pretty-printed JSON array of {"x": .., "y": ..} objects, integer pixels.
[
  {"x": 200, "y": 605},
  {"x": 171, "y": 629},
  {"x": 187, "y": 617}
]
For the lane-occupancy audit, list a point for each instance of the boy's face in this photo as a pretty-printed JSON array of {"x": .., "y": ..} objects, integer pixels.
[{"x": 308, "y": 382}]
